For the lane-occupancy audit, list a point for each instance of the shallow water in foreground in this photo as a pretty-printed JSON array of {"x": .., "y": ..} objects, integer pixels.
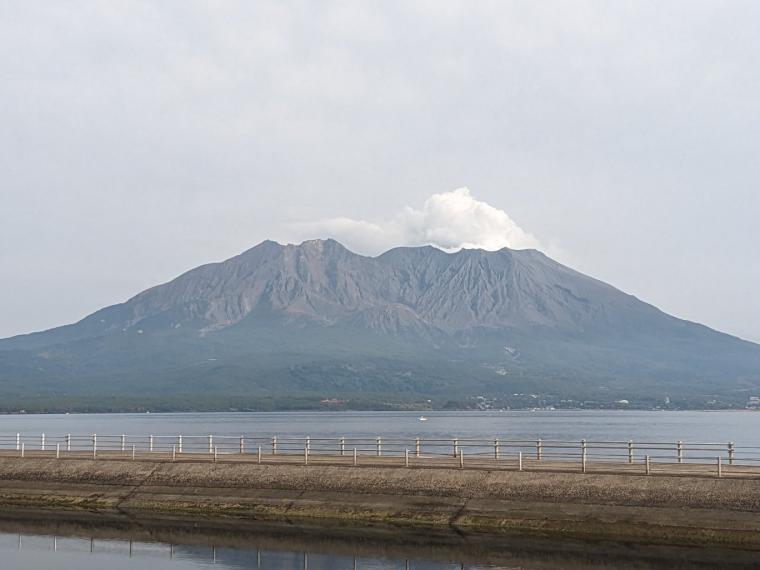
[
  {"x": 46, "y": 552},
  {"x": 40, "y": 553},
  {"x": 48, "y": 546}
]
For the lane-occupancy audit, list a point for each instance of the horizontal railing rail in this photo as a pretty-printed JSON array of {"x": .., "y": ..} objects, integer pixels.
[{"x": 494, "y": 452}]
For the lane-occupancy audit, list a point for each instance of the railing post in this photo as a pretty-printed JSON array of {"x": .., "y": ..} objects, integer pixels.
[
  {"x": 417, "y": 447},
  {"x": 583, "y": 455},
  {"x": 679, "y": 450},
  {"x": 461, "y": 460},
  {"x": 539, "y": 449},
  {"x": 355, "y": 457},
  {"x": 379, "y": 446},
  {"x": 305, "y": 454},
  {"x": 179, "y": 443},
  {"x": 242, "y": 444},
  {"x": 730, "y": 452},
  {"x": 342, "y": 446},
  {"x": 630, "y": 451},
  {"x": 215, "y": 454},
  {"x": 496, "y": 450},
  {"x": 18, "y": 442},
  {"x": 308, "y": 443},
  {"x": 720, "y": 467},
  {"x": 42, "y": 442},
  {"x": 519, "y": 461},
  {"x": 456, "y": 447},
  {"x": 646, "y": 465},
  {"x": 57, "y": 450},
  {"x": 150, "y": 443},
  {"x": 274, "y": 445},
  {"x": 22, "y": 450},
  {"x": 211, "y": 443},
  {"x": 406, "y": 458},
  {"x": 94, "y": 446},
  {"x": 174, "y": 452},
  {"x": 123, "y": 442},
  {"x": 259, "y": 456},
  {"x": 134, "y": 449},
  {"x": 68, "y": 442}
]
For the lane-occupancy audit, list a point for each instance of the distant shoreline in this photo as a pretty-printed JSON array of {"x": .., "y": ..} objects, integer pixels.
[{"x": 352, "y": 410}]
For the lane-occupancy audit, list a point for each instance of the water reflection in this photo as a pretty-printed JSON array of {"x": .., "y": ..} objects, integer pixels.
[
  {"x": 96, "y": 550},
  {"x": 121, "y": 543}
]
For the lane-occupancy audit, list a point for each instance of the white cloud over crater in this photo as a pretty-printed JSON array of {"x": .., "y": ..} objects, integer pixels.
[{"x": 449, "y": 220}]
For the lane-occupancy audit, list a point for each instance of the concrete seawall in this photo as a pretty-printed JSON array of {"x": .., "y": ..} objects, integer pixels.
[{"x": 659, "y": 509}]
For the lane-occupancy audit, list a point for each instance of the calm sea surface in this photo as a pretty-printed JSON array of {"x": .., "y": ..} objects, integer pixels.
[{"x": 740, "y": 427}]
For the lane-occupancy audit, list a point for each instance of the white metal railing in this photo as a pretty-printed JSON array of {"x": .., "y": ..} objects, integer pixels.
[{"x": 536, "y": 452}]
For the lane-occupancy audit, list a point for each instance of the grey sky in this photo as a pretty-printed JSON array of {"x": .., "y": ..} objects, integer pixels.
[{"x": 139, "y": 139}]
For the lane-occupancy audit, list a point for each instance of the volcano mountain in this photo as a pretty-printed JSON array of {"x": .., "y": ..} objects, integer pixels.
[{"x": 284, "y": 325}]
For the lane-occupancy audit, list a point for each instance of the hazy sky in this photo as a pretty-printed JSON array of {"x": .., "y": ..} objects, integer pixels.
[{"x": 140, "y": 139}]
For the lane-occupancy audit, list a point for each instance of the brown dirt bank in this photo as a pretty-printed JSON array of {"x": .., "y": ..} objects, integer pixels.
[{"x": 659, "y": 510}]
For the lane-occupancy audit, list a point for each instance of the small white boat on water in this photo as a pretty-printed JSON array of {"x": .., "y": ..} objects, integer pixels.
[{"x": 422, "y": 418}]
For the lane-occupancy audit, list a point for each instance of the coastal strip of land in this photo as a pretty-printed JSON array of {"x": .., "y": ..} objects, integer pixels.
[{"x": 673, "y": 510}]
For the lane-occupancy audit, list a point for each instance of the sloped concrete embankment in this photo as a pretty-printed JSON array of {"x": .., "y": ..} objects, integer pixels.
[{"x": 668, "y": 510}]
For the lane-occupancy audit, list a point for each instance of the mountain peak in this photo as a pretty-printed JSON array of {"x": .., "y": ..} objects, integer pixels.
[{"x": 328, "y": 244}]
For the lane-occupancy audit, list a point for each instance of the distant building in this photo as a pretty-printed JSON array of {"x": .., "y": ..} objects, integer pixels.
[{"x": 753, "y": 402}]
